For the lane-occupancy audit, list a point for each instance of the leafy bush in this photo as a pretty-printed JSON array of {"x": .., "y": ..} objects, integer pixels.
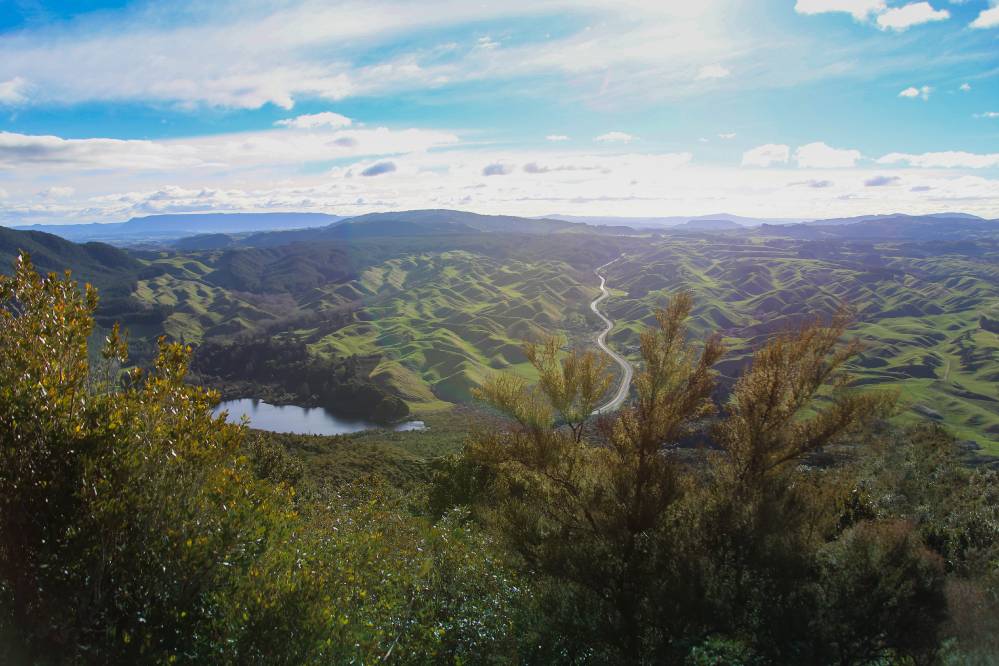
[{"x": 134, "y": 529}]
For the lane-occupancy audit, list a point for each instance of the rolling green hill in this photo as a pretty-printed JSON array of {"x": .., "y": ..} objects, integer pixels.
[
  {"x": 922, "y": 311},
  {"x": 97, "y": 263},
  {"x": 439, "y": 309}
]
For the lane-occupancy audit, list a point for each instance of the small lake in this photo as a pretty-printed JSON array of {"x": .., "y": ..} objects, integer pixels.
[{"x": 301, "y": 420}]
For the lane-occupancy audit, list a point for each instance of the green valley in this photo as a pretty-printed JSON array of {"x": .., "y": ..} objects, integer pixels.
[
  {"x": 920, "y": 310},
  {"x": 437, "y": 301}
]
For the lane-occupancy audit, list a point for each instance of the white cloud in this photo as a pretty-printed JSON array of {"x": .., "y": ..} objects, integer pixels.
[
  {"x": 556, "y": 137},
  {"x": 487, "y": 43},
  {"x": 988, "y": 114},
  {"x": 859, "y": 9},
  {"x": 947, "y": 160},
  {"x": 989, "y": 18},
  {"x": 331, "y": 50},
  {"x": 767, "y": 154},
  {"x": 247, "y": 149},
  {"x": 13, "y": 91},
  {"x": 314, "y": 120},
  {"x": 916, "y": 13},
  {"x": 912, "y": 92},
  {"x": 615, "y": 137},
  {"x": 712, "y": 72},
  {"x": 566, "y": 181},
  {"x": 820, "y": 156},
  {"x": 965, "y": 87},
  {"x": 726, "y": 136},
  {"x": 23, "y": 151},
  {"x": 57, "y": 192}
]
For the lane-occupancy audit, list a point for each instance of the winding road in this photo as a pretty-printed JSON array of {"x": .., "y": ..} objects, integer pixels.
[{"x": 626, "y": 369}]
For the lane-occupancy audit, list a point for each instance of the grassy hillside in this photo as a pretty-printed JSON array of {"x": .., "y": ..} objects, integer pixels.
[
  {"x": 439, "y": 311},
  {"x": 102, "y": 265},
  {"x": 919, "y": 311},
  {"x": 442, "y": 321}
]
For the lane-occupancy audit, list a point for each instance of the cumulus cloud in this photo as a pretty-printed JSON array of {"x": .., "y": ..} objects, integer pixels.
[
  {"x": 965, "y": 87},
  {"x": 615, "y": 137},
  {"x": 818, "y": 155},
  {"x": 912, "y": 92},
  {"x": 314, "y": 120},
  {"x": 885, "y": 17},
  {"x": 988, "y": 114},
  {"x": 556, "y": 137},
  {"x": 379, "y": 168},
  {"x": 627, "y": 183},
  {"x": 859, "y": 9},
  {"x": 946, "y": 160},
  {"x": 767, "y": 154},
  {"x": 882, "y": 181},
  {"x": 13, "y": 91},
  {"x": 726, "y": 136},
  {"x": 916, "y": 13},
  {"x": 814, "y": 184},
  {"x": 989, "y": 18},
  {"x": 713, "y": 72},
  {"x": 497, "y": 169}
]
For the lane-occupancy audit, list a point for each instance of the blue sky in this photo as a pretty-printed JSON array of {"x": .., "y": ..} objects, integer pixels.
[{"x": 799, "y": 108}]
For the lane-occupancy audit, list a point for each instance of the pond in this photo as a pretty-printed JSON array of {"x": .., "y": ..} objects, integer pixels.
[{"x": 300, "y": 420}]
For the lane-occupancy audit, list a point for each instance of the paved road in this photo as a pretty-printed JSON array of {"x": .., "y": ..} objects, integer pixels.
[{"x": 626, "y": 370}]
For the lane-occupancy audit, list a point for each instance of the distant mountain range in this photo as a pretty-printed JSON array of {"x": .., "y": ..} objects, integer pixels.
[
  {"x": 208, "y": 231},
  {"x": 937, "y": 227},
  {"x": 411, "y": 223},
  {"x": 674, "y": 221},
  {"x": 893, "y": 216},
  {"x": 168, "y": 227}
]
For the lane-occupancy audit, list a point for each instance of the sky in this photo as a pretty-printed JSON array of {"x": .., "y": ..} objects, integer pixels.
[{"x": 772, "y": 108}]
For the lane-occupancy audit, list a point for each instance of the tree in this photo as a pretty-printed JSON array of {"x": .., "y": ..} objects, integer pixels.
[
  {"x": 649, "y": 557},
  {"x": 123, "y": 508},
  {"x": 133, "y": 529},
  {"x": 582, "y": 512}
]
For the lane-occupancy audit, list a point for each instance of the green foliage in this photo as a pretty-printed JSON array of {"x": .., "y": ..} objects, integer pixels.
[
  {"x": 917, "y": 476},
  {"x": 134, "y": 529},
  {"x": 902, "y": 586},
  {"x": 264, "y": 366},
  {"x": 645, "y": 555}
]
